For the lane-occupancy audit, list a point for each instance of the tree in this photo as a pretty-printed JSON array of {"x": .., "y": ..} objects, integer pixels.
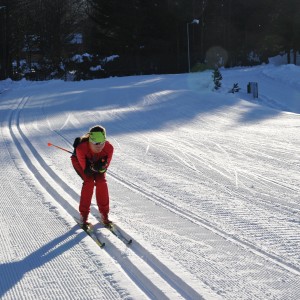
[
  {"x": 57, "y": 21},
  {"x": 148, "y": 36},
  {"x": 40, "y": 27},
  {"x": 286, "y": 24},
  {"x": 3, "y": 43},
  {"x": 217, "y": 77}
]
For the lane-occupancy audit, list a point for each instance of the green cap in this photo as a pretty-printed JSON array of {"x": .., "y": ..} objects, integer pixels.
[{"x": 97, "y": 137}]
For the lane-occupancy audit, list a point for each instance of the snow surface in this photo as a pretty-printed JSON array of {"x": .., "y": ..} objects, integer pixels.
[{"x": 205, "y": 183}]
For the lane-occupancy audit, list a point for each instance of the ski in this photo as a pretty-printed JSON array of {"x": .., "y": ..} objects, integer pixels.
[
  {"x": 113, "y": 228},
  {"x": 89, "y": 230}
]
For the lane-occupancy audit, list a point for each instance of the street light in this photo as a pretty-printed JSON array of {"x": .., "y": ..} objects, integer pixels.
[
  {"x": 4, "y": 42},
  {"x": 195, "y": 21}
]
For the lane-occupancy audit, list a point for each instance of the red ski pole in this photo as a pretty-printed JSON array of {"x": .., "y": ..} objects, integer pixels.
[{"x": 49, "y": 144}]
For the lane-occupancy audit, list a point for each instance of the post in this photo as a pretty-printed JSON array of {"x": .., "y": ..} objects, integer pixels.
[
  {"x": 188, "y": 46},
  {"x": 195, "y": 21},
  {"x": 252, "y": 88}
]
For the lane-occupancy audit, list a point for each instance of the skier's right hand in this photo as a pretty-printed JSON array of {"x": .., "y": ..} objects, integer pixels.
[{"x": 88, "y": 168}]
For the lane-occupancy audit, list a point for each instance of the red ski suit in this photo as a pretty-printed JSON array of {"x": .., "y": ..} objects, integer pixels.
[{"x": 84, "y": 153}]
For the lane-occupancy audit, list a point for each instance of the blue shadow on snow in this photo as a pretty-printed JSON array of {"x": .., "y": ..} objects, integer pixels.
[{"x": 12, "y": 273}]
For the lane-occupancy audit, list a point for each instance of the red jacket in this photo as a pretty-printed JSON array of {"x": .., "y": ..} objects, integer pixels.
[{"x": 83, "y": 152}]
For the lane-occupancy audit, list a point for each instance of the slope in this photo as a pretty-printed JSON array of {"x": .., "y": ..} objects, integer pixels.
[{"x": 207, "y": 184}]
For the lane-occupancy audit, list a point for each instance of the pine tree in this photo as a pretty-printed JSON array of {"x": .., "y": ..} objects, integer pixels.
[
  {"x": 235, "y": 88},
  {"x": 217, "y": 77}
]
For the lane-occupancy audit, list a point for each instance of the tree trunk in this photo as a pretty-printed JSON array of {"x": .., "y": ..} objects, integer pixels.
[{"x": 288, "y": 56}]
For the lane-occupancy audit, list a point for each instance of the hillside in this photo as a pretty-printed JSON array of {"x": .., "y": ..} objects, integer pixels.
[{"x": 205, "y": 183}]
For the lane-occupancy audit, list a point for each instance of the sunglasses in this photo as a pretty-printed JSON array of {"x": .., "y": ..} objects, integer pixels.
[{"x": 97, "y": 144}]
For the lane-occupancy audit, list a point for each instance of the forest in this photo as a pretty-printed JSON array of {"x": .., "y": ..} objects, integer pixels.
[{"x": 44, "y": 39}]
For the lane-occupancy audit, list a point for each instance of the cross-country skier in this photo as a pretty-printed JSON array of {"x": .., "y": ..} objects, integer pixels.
[{"x": 91, "y": 158}]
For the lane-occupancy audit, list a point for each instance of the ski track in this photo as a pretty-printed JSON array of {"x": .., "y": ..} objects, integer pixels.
[
  {"x": 262, "y": 220},
  {"x": 170, "y": 206},
  {"x": 41, "y": 257},
  {"x": 287, "y": 257},
  {"x": 156, "y": 275}
]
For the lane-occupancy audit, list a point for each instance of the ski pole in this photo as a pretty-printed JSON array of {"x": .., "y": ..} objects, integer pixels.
[{"x": 49, "y": 144}]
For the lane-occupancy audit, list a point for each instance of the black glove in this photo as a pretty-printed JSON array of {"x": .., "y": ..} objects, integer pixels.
[
  {"x": 100, "y": 166},
  {"x": 88, "y": 169}
]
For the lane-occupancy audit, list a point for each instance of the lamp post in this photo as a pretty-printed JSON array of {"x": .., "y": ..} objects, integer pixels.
[
  {"x": 195, "y": 21},
  {"x": 3, "y": 66}
]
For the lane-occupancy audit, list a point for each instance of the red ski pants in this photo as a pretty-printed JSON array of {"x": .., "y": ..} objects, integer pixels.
[{"x": 88, "y": 185}]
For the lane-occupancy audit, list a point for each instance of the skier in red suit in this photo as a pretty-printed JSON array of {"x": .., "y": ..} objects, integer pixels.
[{"x": 91, "y": 158}]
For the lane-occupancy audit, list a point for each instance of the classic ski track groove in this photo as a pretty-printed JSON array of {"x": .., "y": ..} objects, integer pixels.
[
  {"x": 188, "y": 215},
  {"x": 14, "y": 118},
  {"x": 171, "y": 206},
  {"x": 32, "y": 159},
  {"x": 10, "y": 134},
  {"x": 285, "y": 211}
]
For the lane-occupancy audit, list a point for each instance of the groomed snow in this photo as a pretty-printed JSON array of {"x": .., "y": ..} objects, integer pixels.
[{"x": 206, "y": 184}]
